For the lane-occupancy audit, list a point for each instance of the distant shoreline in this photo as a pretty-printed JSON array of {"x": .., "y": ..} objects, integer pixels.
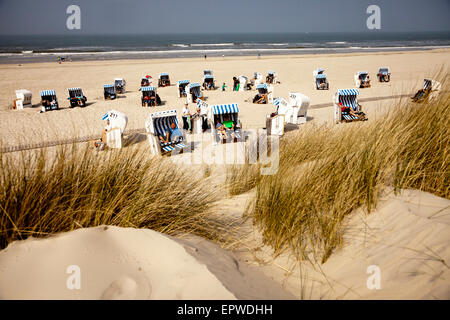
[{"x": 79, "y": 56}]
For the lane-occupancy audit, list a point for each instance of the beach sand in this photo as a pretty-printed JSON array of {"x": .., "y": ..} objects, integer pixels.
[{"x": 294, "y": 72}]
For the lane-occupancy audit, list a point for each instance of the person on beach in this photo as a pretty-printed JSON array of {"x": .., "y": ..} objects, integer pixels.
[
  {"x": 101, "y": 144},
  {"x": 351, "y": 111},
  {"x": 235, "y": 81},
  {"x": 172, "y": 135},
  {"x": 222, "y": 130},
  {"x": 186, "y": 114},
  {"x": 224, "y": 86},
  {"x": 229, "y": 126}
]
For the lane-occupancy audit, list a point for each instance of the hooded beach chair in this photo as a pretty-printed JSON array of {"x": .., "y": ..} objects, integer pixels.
[
  {"x": 208, "y": 82},
  {"x": 200, "y": 122},
  {"x": 219, "y": 114},
  {"x": 271, "y": 77},
  {"x": 76, "y": 98},
  {"x": 49, "y": 100},
  {"x": 149, "y": 97},
  {"x": 264, "y": 89},
  {"x": 193, "y": 92},
  {"x": 163, "y": 80},
  {"x": 362, "y": 79},
  {"x": 243, "y": 81},
  {"x": 120, "y": 85},
  {"x": 23, "y": 99},
  {"x": 320, "y": 79},
  {"x": 348, "y": 98},
  {"x": 258, "y": 78},
  {"x": 275, "y": 121},
  {"x": 181, "y": 88},
  {"x": 117, "y": 124},
  {"x": 157, "y": 125},
  {"x": 145, "y": 82},
  {"x": 109, "y": 92},
  {"x": 430, "y": 90},
  {"x": 299, "y": 104},
  {"x": 383, "y": 74}
]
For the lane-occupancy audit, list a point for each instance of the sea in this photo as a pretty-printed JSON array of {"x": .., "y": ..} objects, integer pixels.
[{"x": 44, "y": 48}]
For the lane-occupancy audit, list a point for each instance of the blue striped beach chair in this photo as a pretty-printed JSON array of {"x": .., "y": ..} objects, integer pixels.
[
  {"x": 49, "y": 100},
  {"x": 157, "y": 125},
  {"x": 348, "y": 98},
  {"x": 150, "y": 97},
  {"x": 222, "y": 111}
]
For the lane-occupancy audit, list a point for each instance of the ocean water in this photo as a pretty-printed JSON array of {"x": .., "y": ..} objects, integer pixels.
[{"x": 18, "y": 49}]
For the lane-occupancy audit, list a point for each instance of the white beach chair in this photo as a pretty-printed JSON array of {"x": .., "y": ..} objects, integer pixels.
[
  {"x": 181, "y": 88},
  {"x": 362, "y": 79},
  {"x": 23, "y": 99},
  {"x": 243, "y": 80},
  {"x": 117, "y": 123},
  {"x": 258, "y": 78},
  {"x": 348, "y": 98},
  {"x": 120, "y": 85},
  {"x": 384, "y": 74},
  {"x": 205, "y": 114},
  {"x": 157, "y": 125},
  {"x": 193, "y": 92},
  {"x": 299, "y": 104},
  {"x": 163, "y": 80}
]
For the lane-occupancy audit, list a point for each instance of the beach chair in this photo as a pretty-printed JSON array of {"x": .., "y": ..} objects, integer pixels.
[
  {"x": 207, "y": 72},
  {"x": 200, "y": 123},
  {"x": 383, "y": 74},
  {"x": 271, "y": 77},
  {"x": 348, "y": 98},
  {"x": 181, "y": 88},
  {"x": 208, "y": 82},
  {"x": 243, "y": 81},
  {"x": 219, "y": 113},
  {"x": 299, "y": 104},
  {"x": 275, "y": 121},
  {"x": 430, "y": 91},
  {"x": 23, "y": 99},
  {"x": 362, "y": 79},
  {"x": 149, "y": 97},
  {"x": 109, "y": 92},
  {"x": 320, "y": 79},
  {"x": 193, "y": 92},
  {"x": 120, "y": 85},
  {"x": 145, "y": 82},
  {"x": 258, "y": 78},
  {"x": 265, "y": 94},
  {"x": 76, "y": 98},
  {"x": 163, "y": 80},
  {"x": 117, "y": 124},
  {"x": 49, "y": 101},
  {"x": 157, "y": 125}
]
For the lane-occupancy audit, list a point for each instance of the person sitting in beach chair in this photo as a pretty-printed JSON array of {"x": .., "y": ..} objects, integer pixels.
[
  {"x": 362, "y": 79},
  {"x": 262, "y": 96},
  {"x": 77, "y": 98},
  {"x": 149, "y": 97},
  {"x": 145, "y": 82},
  {"x": 172, "y": 135},
  {"x": 120, "y": 85},
  {"x": 163, "y": 80},
  {"x": 109, "y": 92},
  {"x": 430, "y": 90},
  {"x": 49, "y": 100},
  {"x": 182, "y": 84},
  {"x": 383, "y": 74}
]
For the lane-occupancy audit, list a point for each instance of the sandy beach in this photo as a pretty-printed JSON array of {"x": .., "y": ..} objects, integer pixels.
[
  {"x": 406, "y": 236},
  {"x": 294, "y": 72}
]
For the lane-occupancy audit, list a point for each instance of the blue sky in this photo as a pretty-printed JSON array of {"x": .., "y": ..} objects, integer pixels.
[{"x": 220, "y": 16}]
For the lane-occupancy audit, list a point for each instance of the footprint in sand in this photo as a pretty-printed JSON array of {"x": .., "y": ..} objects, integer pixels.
[{"x": 126, "y": 288}]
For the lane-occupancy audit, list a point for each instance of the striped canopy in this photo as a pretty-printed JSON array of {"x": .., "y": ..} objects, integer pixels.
[
  {"x": 320, "y": 70},
  {"x": 362, "y": 72},
  {"x": 108, "y": 86},
  {"x": 105, "y": 116},
  {"x": 208, "y": 76},
  {"x": 426, "y": 83},
  {"x": 195, "y": 84},
  {"x": 321, "y": 76},
  {"x": 74, "y": 89},
  {"x": 147, "y": 89},
  {"x": 48, "y": 93},
  {"x": 183, "y": 82},
  {"x": 225, "y": 108},
  {"x": 348, "y": 92},
  {"x": 261, "y": 86},
  {"x": 164, "y": 74},
  {"x": 162, "y": 124},
  {"x": 276, "y": 102}
]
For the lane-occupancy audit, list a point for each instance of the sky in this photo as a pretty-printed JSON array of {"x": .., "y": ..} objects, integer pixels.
[{"x": 220, "y": 16}]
